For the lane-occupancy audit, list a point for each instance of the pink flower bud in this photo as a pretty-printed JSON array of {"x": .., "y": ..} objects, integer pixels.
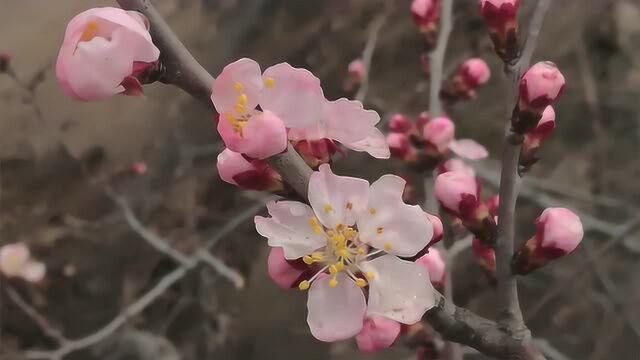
[
  {"x": 99, "y": 53},
  {"x": 545, "y": 126},
  {"x": 400, "y": 146},
  {"x": 357, "y": 70},
  {"x": 558, "y": 233},
  {"x": 499, "y": 13},
  {"x": 400, "y": 124},
  {"x": 261, "y": 136},
  {"x": 422, "y": 120},
  {"x": 316, "y": 152},
  {"x": 425, "y": 14},
  {"x": 377, "y": 333},
  {"x": 284, "y": 273},
  {"x": 439, "y": 133},
  {"x": 541, "y": 86},
  {"x": 485, "y": 255},
  {"x": 456, "y": 164},
  {"x": 455, "y": 191},
  {"x": 139, "y": 168},
  {"x": 248, "y": 175},
  {"x": 474, "y": 72},
  {"x": 438, "y": 229},
  {"x": 434, "y": 263}
]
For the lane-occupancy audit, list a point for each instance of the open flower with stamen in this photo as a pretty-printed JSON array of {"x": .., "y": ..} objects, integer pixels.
[
  {"x": 353, "y": 235},
  {"x": 288, "y": 98}
]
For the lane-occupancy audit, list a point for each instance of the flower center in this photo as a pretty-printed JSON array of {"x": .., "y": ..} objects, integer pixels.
[
  {"x": 343, "y": 253},
  {"x": 90, "y": 31}
]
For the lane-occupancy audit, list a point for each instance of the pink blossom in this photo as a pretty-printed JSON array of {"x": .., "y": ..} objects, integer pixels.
[
  {"x": 16, "y": 261},
  {"x": 456, "y": 164},
  {"x": 438, "y": 229},
  {"x": 357, "y": 69},
  {"x": 378, "y": 333},
  {"x": 425, "y": 14},
  {"x": 249, "y": 175},
  {"x": 284, "y": 273},
  {"x": 316, "y": 152},
  {"x": 541, "y": 86},
  {"x": 102, "y": 51},
  {"x": 474, "y": 72},
  {"x": 434, "y": 263},
  {"x": 456, "y": 190},
  {"x": 353, "y": 235},
  {"x": 400, "y": 146},
  {"x": 439, "y": 132},
  {"x": 559, "y": 231},
  {"x": 545, "y": 126},
  {"x": 400, "y": 124},
  {"x": 500, "y": 15}
]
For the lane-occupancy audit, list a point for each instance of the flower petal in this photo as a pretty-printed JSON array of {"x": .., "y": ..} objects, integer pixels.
[
  {"x": 390, "y": 224},
  {"x": 284, "y": 274},
  {"x": 375, "y": 144},
  {"x": 378, "y": 333},
  {"x": 289, "y": 228},
  {"x": 293, "y": 94},
  {"x": 400, "y": 290},
  {"x": 231, "y": 163},
  {"x": 33, "y": 271},
  {"x": 336, "y": 199},
  {"x": 13, "y": 258},
  {"x": 264, "y": 136},
  {"x": 240, "y": 77},
  {"x": 335, "y": 313},
  {"x": 469, "y": 149},
  {"x": 347, "y": 121}
]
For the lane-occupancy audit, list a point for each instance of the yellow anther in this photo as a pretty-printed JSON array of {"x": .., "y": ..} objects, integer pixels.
[
  {"x": 269, "y": 82},
  {"x": 89, "y": 32},
  {"x": 340, "y": 266},
  {"x": 360, "y": 282},
  {"x": 387, "y": 246},
  {"x": 333, "y": 270},
  {"x": 238, "y": 87},
  {"x": 308, "y": 260},
  {"x": 370, "y": 275},
  {"x": 328, "y": 208},
  {"x": 340, "y": 227},
  {"x": 379, "y": 229},
  {"x": 304, "y": 285},
  {"x": 350, "y": 233},
  {"x": 333, "y": 283},
  {"x": 315, "y": 226},
  {"x": 361, "y": 251},
  {"x": 340, "y": 240},
  {"x": 372, "y": 211},
  {"x": 239, "y": 108},
  {"x": 349, "y": 205},
  {"x": 317, "y": 256},
  {"x": 243, "y": 99},
  {"x": 344, "y": 253}
]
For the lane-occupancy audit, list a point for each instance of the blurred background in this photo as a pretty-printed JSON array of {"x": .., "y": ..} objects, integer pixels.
[{"x": 63, "y": 162}]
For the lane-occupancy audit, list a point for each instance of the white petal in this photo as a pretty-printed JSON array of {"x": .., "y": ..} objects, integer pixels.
[
  {"x": 468, "y": 149},
  {"x": 375, "y": 144},
  {"x": 347, "y": 121},
  {"x": 290, "y": 229},
  {"x": 240, "y": 77},
  {"x": 33, "y": 271},
  {"x": 335, "y": 313},
  {"x": 390, "y": 224},
  {"x": 336, "y": 199},
  {"x": 400, "y": 290}
]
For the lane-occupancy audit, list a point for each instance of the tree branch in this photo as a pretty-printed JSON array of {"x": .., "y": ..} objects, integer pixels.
[
  {"x": 436, "y": 59},
  {"x": 370, "y": 47}
]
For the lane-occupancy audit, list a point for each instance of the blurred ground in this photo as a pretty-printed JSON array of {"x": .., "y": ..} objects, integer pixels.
[{"x": 97, "y": 265}]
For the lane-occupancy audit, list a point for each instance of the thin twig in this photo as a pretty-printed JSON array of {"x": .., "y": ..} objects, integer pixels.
[
  {"x": 369, "y": 49},
  {"x": 532, "y": 36},
  {"x": 436, "y": 58},
  {"x": 35, "y": 316}
]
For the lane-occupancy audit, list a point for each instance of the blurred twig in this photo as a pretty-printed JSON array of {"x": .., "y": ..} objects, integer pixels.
[
  {"x": 436, "y": 58},
  {"x": 532, "y": 35},
  {"x": 35, "y": 316},
  {"x": 370, "y": 47}
]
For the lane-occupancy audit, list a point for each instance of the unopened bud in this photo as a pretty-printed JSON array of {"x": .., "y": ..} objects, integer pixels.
[
  {"x": 400, "y": 146},
  {"x": 485, "y": 256},
  {"x": 438, "y": 229},
  {"x": 501, "y": 18},
  {"x": 462, "y": 84},
  {"x": 434, "y": 263},
  {"x": 438, "y": 134},
  {"x": 399, "y": 123},
  {"x": 377, "y": 333},
  {"x": 235, "y": 169},
  {"x": 316, "y": 152},
  {"x": 533, "y": 139},
  {"x": 540, "y": 87}
]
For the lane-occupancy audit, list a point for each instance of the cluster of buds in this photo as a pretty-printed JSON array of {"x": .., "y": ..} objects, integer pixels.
[
  {"x": 426, "y": 14},
  {"x": 463, "y": 83},
  {"x": 558, "y": 233},
  {"x": 533, "y": 139},
  {"x": 501, "y": 18},
  {"x": 16, "y": 262},
  {"x": 427, "y": 142},
  {"x": 248, "y": 174},
  {"x": 540, "y": 87},
  {"x": 356, "y": 71},
  {"x": 459, "y": 195}
]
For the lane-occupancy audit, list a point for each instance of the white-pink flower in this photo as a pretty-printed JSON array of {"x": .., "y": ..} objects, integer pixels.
[
  {"x": 101, "y": 50},
  {"x": 16, "y": 261},
  {"x": 353, "y": 234},
  {"x": 439, "y": 134}
]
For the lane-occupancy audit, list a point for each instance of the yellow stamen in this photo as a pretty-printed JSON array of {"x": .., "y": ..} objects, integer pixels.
[
  {"x": 333, "y": 270},
  {"x": 317, "y": 256},
  {"x": 315, "y": 226},
  {"x": 344, "y": 253},
  {"x": 350, "y": 234},
  {"x": 370, "y": 275},
  {"x": 387, "y": 246},
  {"x": 304, "y": 285},
  {"x": 333, "y": 283},
  {"x": 361, "y": 282},
  {"x": 379, "y": 229},
  {"x": 361, "y": 250},
  {"x": 328, "y": 208},
  {"x": 349, "y": 205},
  {"x": 239, "y": 108},
  {"x": 340, "y": 266},
  {"x": 269, "y": 82},
  {"x": 372, "y": 211},
  {"x": 238, "y": 87},
  {"x": 308, "y": 260},
  {"x": 243, "y": 99},
  {"x": 89, "y": 32},
  {"x": 340, "y": 227}
]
